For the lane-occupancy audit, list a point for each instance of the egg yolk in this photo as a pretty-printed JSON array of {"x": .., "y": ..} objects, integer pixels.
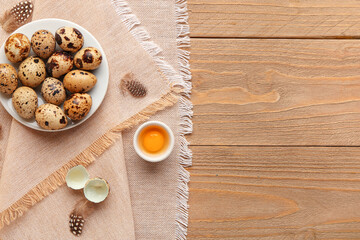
[{"x": 153, "y": 141}]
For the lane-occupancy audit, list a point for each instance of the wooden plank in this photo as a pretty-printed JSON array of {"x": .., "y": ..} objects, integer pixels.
[
  {"x": 276, "y": 92},
  {"x": 274, "y": 18},
  {"x": 274, "y": 193}
]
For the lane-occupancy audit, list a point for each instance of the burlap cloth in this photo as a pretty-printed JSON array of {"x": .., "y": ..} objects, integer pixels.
[
  {"x": 159, "y": 20},
  {"x": 158, "y": 191}
]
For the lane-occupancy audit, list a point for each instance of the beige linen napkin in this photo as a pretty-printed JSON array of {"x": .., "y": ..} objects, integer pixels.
[
  {"x": 166, "y": 23},
  {"x": 36, "y": 162}
]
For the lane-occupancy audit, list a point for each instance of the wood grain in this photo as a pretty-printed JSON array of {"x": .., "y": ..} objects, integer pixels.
[
  {"x": 274, "y": 18},
  {"x": 276, "y": 141},
  {"x": 276, "y": 92},
  {"x": 275, "y": 193}
]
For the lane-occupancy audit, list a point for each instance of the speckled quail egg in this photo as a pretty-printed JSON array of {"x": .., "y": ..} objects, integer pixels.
[
  {"x": 50, "y": 116},
  {"x": 17, "y": 47},
  {"x": 69, "y": 39},
  {"x": 32, "y": 72},
  {"x": 78, "y": 106},
  {"x": 79, "y": 81},
  {"x": 25, "y": 102},
  {"x": 59, "y": 64},
  {"x": 53, "y": 91},
  {"x": 8, "y": 79},
  {"x": 43, "y": 43},
  {"x": 88, "y": 58}
]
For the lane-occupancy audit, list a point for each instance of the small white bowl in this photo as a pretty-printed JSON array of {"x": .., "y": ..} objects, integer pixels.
[{"x": 155, "y": 157}]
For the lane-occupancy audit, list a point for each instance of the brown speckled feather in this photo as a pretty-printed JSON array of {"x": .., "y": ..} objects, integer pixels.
[
  {"x": 133, "y": 86},
  {"x": 82, "y": 210},
  {"x": 17, "y": 16}
]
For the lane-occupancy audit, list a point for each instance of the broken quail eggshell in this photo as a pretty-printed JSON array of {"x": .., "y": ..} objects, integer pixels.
[
  {"x": 17, "y": 47},
  {"x": 77, "y": 177},
  {"x": 96, "y": 190}
]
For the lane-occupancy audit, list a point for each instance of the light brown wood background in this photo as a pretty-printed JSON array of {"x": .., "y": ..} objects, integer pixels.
[{"x": 276, "y": 141}]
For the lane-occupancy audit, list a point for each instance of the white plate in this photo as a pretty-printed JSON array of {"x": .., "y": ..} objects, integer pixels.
[{"x": 102, "y": 73}]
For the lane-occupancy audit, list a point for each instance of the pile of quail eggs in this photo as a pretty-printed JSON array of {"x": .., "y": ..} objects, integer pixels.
[{"x": 64, "y": 76}]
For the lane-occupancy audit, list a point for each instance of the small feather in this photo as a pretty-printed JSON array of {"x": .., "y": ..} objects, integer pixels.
[
  {"x": 17, "y": 16},
  {"x": 82, "y": 210},
  {"x": 133, "y": 86}
]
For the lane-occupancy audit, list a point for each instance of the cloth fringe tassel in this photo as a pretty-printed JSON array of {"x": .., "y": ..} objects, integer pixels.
[{"x": 186, "y": 113}]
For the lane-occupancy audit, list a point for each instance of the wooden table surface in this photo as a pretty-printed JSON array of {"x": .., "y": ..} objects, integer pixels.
[{"x": 276, "y": 141}]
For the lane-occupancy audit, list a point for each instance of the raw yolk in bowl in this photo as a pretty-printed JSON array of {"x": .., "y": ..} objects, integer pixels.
[{"x": 153, "y": 139}]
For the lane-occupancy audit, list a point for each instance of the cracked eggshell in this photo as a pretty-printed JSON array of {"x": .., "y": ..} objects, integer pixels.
[
  {"x": 77, "y": 177},
  {"x": 25, "y": 101},
  {"x": 43, "y": 43},
  {"x": 78, "y": 106},
  {"x": 96, "y": 190},
  {"x": 50, "y": 116},
  {"x": 79, "y": 81},
  {"x": 17, "y": 47},
  {"x": 8, "y": 79},
  {"x": 69, "y": 39},
  {"x": 88, "y": 58},
  {"x": 32, "y": 72},
  {"x": 53, "y": 91}
]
